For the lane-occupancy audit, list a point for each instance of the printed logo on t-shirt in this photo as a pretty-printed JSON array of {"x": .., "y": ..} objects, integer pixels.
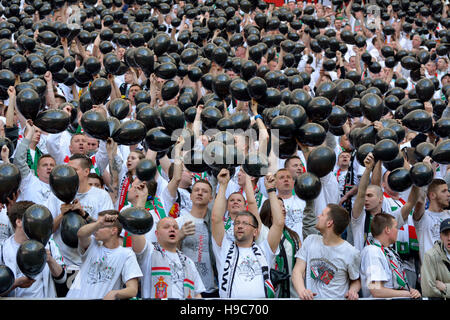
[
  {"x": 322, "y": 271},
  {"x": 249, "y": 268},
  {"x": 100, "y": 271}
]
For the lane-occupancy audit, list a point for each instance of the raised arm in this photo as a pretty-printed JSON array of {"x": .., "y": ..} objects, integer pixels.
[
  {"x": 172, "y": 187},
  {"x": 276, "y": 230},
  {"x": 20, "y": 158},
  {"x": 363, "y": 184},
  {"x": 220, "y": 207}
]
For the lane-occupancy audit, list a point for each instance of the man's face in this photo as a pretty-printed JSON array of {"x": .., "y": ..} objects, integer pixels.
[
  {"x": 323, "y": 219},
  {"x": 344, "y": 159},
  {"x": 445, "y": 80},
  {"x": 82, "y": 173},
  {"x": 92, "y": 144},
  {"x": 236, "y": 203},
  {"x": 244, "y": 229},
  {"x": 442, "y": 65},
  {"x": 132, "y": 92},
  {"x": 372, "y": 199},
  {"x": 431, "y": 67},
  {"x": 45, "y": 167},
  {"x": 167, "y": 231},
  {"x": 441, "y": 196},
  {"x": 338, "y": 24},
  {"x": 284, "y": 180},
  {"x": 94, "y": 182},
  {"x": 393, "y": 232},
  {"x": 295, "y": 167},
  {"x": 36, "y": 136},
  {"x": 105, "y": 233},
  {"x": 416, "y": 41},
  {"x": 345, "y": 142},
  {"x": 445, "y": 239},
  {"x": 78, "y": 144},
  {"x": 201, "y": 194}
]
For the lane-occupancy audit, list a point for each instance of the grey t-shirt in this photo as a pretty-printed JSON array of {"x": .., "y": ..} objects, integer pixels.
[
  {"x": 196, "y": 247},
  {"x": 329, "y": 269}
]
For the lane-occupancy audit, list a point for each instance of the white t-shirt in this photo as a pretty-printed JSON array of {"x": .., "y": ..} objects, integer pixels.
[
  {"x": 427, "y": 229},
  {"x": 6, "y": 229},
  {"x": 329, "y": 269},
  {"x": 33, "y": 189},
  {"x": 374, "y": 267},
  {"x": 357, "y": 226},
  {"x": 103, "y": 270},
  {"x": 93, "y": 202},
  {"x": 248, "y": 279},
  {"x": 294, "y": 214},
  {"x": 176, "y": 269}
]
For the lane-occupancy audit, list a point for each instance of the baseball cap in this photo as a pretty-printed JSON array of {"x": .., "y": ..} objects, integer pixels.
[{"x": 445, "y": 225}]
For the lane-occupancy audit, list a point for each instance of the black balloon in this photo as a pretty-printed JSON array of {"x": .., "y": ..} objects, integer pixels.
[
  {"x": 136, "y": 220},
  {"x": 70, "y": 224},
  {"x": 6, "y": 279},
  {"x": 441, "y": 154},
  {"x": 321, "y": 161},
  {"x": 52, "y": 120},
  {"x": 158, "y": 140},
  {"x": 311, "y": 134},
  {"x": 130, "y": 132},
  {"x": 194, "y": 162},
  {"x": 418, "y": 120},
  {"x": 169, "y": 90},
  {"x": 363, "y": 151},
  {"x": 9, "y": 181},
  {"x": 399, "y": 180},
  {"x": 385, "y": 150},
  {"x": 442, "y": 127},
  {"x": 307, "y": 186},
  {"x": 425, "y": 89},
  {"x": 31, "y": 258},
  {"x": 100, "y": 90},
  {"x": 372, "y": 106},
  {"x": 28, "y": 102},
  {"x": 421, "y": 174},
  {"x": 64, "y": 183},
  {"x": 256, "y": 165},
  {"x": 95, "y": 124},
  {"x": 146, "y": 170},
  {"x": 37, "y": 223},
  {"x": 119, "y": 108}
]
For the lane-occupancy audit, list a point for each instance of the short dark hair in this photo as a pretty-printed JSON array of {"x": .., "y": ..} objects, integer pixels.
[
  {"x": 203, "y": 181},
  {"x": 117, "y": 224},
  {"x": 93, "y": 175},
  {"x": 380, "y": 222},
  {"x": 43, "y": 157},
  {"x": 17, "y": 211},
  {"x": 435, "y": 183},
  {"x": 289, "y": 159},
  {"x": 340, "y": 217},
  {"x": 248, "y": 214},
  {"x": 86, "y": 162}
]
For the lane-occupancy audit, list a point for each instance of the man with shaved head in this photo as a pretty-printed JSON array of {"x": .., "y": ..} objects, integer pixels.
[
  {"x": 369, "y": 202},
  {"x": 168, "y": 273}
]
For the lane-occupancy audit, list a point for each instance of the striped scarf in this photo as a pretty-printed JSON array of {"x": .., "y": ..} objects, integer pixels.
[
  {"x": 407, "y": 242},
  {"x": 162, "y": 283},
  {"x": 395, "y": 265},
  {"x": 231, "y": 261}
]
